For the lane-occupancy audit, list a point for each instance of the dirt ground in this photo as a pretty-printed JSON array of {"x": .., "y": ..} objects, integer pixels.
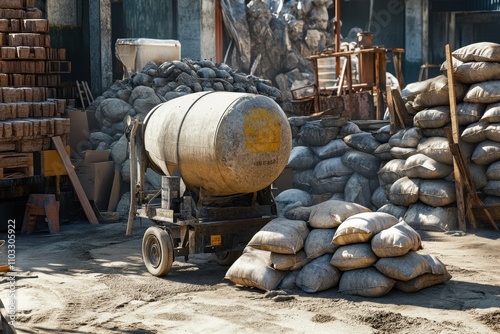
[{"x": 91, "y": 279}]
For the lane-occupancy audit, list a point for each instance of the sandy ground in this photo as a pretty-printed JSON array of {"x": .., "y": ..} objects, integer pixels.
[{"x": 91, "y": 279}]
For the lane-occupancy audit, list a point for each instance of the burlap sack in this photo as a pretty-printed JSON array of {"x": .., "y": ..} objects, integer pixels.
[
  {"x": 362, "y": 227},
  {"x": 397, "y": 240}
]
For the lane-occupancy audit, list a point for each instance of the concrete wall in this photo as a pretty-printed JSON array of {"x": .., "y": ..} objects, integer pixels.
[
  {"x": 63, "y": 12},
  {"x": 196, "y": 28},
  {"x": 414, "y": 33}
]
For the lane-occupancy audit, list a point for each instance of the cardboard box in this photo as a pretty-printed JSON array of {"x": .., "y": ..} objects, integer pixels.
[
  {"x": 81, "y": 124},
  {"x": 96, "y": 173}
]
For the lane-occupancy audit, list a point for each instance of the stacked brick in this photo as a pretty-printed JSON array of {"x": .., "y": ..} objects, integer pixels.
[{"x": 30, "y": 69}]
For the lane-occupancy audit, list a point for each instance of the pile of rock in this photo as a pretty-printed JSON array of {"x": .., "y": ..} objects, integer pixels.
[
  {"x": 337, "y": 243},
  {"x": 155, "y": 84}
]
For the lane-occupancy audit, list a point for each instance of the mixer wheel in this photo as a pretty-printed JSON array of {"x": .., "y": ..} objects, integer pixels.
[
  {"x": 227, "y": 258},
  {"x": 157, "y": 251}
]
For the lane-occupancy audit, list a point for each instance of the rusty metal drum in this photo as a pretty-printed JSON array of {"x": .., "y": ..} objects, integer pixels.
[{"x": 225, "y": 143}]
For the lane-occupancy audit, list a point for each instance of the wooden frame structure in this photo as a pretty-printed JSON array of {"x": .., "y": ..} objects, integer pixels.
[{"x": 374, "y": 67}]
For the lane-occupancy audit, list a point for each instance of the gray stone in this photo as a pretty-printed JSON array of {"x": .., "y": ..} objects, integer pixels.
[{"x": 119, "y": 151}]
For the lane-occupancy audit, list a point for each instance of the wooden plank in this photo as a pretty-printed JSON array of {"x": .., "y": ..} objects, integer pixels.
[
  {"x": 400, "y": 108},
  {"x": 133, "y": 178},
  {"x": 74, "y": 180},
  {"x": 395, "y": 126},
  {"x": 462, "y": 225}
]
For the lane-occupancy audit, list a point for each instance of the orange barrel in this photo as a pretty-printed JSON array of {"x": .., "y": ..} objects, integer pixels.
[{"x": 223, "y": 142}]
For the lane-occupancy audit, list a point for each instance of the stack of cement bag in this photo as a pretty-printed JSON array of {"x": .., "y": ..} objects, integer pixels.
[
  {"x": 479, "y": 65},
  {"x": 409, "y": 174},
  {"x": 337, "y": 244},
  {"x": 333, "y": 159}
]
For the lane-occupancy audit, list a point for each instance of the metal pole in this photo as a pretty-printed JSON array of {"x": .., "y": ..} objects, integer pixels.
[{"x": 337, "y": 36}]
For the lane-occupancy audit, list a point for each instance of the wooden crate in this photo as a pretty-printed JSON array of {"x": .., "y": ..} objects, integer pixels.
[{"x": 16, "y": 165}]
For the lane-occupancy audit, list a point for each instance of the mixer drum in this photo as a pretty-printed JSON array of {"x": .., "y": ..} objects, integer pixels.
[{"x": 222, "y": 142}]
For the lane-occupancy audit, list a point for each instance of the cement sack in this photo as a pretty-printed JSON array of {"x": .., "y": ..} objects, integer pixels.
[
  {"x": 319, "y": 242},
  {"x": 475, "y": 132},
  {"x": 492, "y": 113},
  {"x": 482, "y": 51},
  {"x": 331, "y": 213},
  {"x": 332, "y": 167},
  {"x": 432, "y": 118},
  {"x": 281, "y": 235},
  {"x": 288, "y": 261},
  {"x": 318, "y": 275},
  {"x": 493, "y": 132},
  {"x": 362, "y": 163},
  {"x": 348, "y": 129},
  {"x": 491, "y": 200},
  {"x": 362, "y": 227},
  {"x": 383, "y": 134},
  {"x": 438, "y": 275},
  {"x": 303, "y": 180},
  {"x": 252, "y": 269},
  {"x": 357, "y": 190},
  {"x": 404, "y": 268},
  {"x": 484, "y": 92},
  {"x": 335, "y": 148},
  {"x": 486, "y": 152},
  {"x": 473, "y": 72},
  {"x": 437, "y": 192},
  {"x": 354, "y": 256},
  {"x": 299, "y": 213},
  {"x": 493, "y": 171},
  {"x": 439, "y": 132},
  {"x": 334, "y": 184},
  {"x": 468, "y": 113},
  {"x": 436, "y": 148},
  {"x": 402, "y": 153},
  {"x": 412, "y": 111},
  {"x": 383, "y": 152},
  {"x": 492, "y": 188},
  {"x": 288, "y": 282},
  {"x": 362, "y": 141},
  {"x": 478, "y": 175},
  {"x": 437, "y": 93},
  {"x": 292, "y": 196},
  {"x": 392, "y": 171},
  {"x": 404, "y": 191},
  {"x": 424, "y": 167},
  {"x": 298, "y": 121},
  {"x": 427, "y": 218},
  {"x": 367, "y": 282},
  {"x": 413, "y": 89},
  {"x": 397, "y": 240},
  {"x": 379, "y": 198},
  {"x": 301, "y": 158},
  {"x": 313, "y": 133},
  {"x": 407, "y": 138},
  {"x": 395, "y": 210}
]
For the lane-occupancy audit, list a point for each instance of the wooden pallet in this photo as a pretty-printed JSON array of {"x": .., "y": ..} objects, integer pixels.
[{"x": 15, "y": 165}]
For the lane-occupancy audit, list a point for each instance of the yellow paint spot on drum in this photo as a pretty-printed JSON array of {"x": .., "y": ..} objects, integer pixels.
[{"x": 262, "y": 131}]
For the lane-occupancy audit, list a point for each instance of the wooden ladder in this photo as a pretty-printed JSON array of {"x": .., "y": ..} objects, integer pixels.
[{"x": 84, "y": 93}]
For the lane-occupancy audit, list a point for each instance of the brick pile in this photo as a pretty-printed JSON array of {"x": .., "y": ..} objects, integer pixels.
[{"x": 30, "y": 71}]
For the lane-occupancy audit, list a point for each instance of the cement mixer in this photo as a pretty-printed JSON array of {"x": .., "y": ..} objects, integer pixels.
[{"x": 219, "y": 153}]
